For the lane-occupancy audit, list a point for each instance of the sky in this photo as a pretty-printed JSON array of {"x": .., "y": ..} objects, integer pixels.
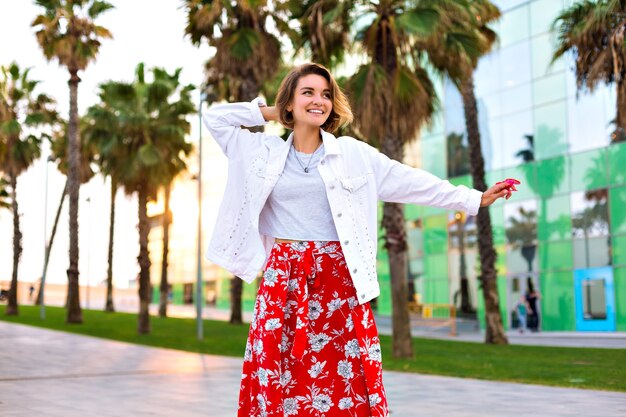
[{"x": 149, "y": 31}]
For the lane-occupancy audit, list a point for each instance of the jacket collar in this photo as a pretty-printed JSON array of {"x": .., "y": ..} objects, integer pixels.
[{"x": 331, "y": 143}]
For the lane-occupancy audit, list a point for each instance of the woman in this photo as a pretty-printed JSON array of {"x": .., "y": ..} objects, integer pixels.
[{"x": 306, "y": 209}]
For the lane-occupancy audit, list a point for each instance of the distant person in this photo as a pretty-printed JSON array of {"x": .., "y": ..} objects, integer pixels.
[
  {"x": 521, "y": 308},
  {"x": 31, "y": 291},
  {"x": 532, "y": 298},
  {"x": 305, "y": 210}
]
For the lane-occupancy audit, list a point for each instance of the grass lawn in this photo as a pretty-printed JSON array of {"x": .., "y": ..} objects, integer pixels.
[{"x": 567, "y": 367}]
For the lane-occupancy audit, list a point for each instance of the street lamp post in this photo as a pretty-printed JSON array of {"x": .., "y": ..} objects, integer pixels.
[{"x": 199, "y": 283}]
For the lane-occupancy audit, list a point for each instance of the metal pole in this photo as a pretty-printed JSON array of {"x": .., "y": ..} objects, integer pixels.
[
  {"x": 42, "y": 308},
  {"x": 199, "y": 286}
]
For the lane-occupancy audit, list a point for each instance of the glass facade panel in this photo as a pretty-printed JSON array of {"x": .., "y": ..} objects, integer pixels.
[
  {"x": 552, "y": 177},
  {"x": 588, "y": 170},
  {"x": 497, "y": 223},
  {"x": 487, "y": 74},
  {"x": 527, "y": 175},
  {"x": 617, "y": 202},
  {"x": 549, "y": 89},
  {"x": 550, "y": 128},
  {"x": 542, "y": 14},
  {"x": 516, "y": 99},
  {"x": 587, "y": 122},
  {"x": 521, "y": 235},
  {"x": 617, "y": 163},
  {"x": 554, "y": 218},
  {"x": 517, "y": 137},
  {"x": 435, "y": 235},
  {"x": 590, "y": 216},
  {"x": 434, "y": 156},
  {"x": 491, "y": 103},
  {"x": 436, "y": 266},
  {"x": 555, "y": 255},
  {"x": 542, "y": 49},
  {"x": 619, "y": 281},
  {"x": 592, "y": 252},
  {"x": 557, "y": 303},
  {"x": 514, "y": 26},
  {"x": 457, "y": 155},
  {"x": 515, "y": 64},
  {"x": 619, "y": 250}
]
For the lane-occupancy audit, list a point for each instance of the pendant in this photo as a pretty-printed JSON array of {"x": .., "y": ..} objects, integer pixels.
[{"x": 306, "y": 170}]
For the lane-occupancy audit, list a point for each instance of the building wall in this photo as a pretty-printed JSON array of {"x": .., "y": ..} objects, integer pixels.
[{"x": 570, "y": 211}]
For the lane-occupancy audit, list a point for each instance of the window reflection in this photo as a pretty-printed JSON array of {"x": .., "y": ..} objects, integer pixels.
[
  {"x": 415, "y": 232},
  {"x": 458, "y": 155},
  {"x": 462, "y": 238},
  {"x": 517, "y": 139},
  {"x": 515, "y": 64},
  {"x": 590, "y": 228},
  {"x": 521, "y": 235}
]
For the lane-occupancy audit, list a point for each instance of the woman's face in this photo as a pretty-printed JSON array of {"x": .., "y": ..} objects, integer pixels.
[{"x": 312, "y": 102}]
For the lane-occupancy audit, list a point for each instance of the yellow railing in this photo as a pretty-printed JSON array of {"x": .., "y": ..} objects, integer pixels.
[{"x": 435, "y": 315}]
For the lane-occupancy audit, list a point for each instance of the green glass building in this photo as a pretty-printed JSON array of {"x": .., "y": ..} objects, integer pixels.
[{"x": 565, "y": 230}]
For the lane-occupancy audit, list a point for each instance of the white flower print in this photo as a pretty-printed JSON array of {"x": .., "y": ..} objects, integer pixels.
[
  {"x": 247, "y": 357},
  {"x": 263, "y": 376},
  {"x": 284, "y": 343},
  {"x": 292, "y": 285},
  {"x": 318, "y": 341},
  {"x": 374, "y": 399},
  {"x": 352, "y": 302},
  {"x": 333, "y": 305},
  {"x": 315, "y": 309},
  {"x": 290, "y": 406},
  {"x": 349, "y": 323},
  {"x": 352, "y": 349},
  {"x": 345, "y": 403},
  {"x": 285, "y": 378},
  {"x": 374, "y": 352},
  {"x": 344, "y": 369},
  {"x": 258, "y": 347},
  {"x": 317, "y": 369},
  {"x": 322, "y": 403},
  {"x": 272, "y": 324},
  {"x": 270, "y": 277}
]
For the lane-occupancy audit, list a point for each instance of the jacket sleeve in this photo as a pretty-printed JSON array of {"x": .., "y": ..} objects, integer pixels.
[
  {"x": 399, "y": 183},
  {"x": 225, "y": 122}
]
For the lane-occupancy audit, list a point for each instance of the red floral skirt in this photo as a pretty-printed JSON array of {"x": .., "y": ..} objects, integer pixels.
[{"x": 312, "y": 350}]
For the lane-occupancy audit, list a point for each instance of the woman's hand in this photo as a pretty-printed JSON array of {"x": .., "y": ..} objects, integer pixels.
[{"x": 501, "y": 189}]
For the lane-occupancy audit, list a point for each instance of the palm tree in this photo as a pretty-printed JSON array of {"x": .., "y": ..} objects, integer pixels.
[
  {"x": 152, "y": 126},
  {"x": 66, "y": 31},
  {"x": 462, "y": 39},
  {"x": 247, "y": 55},
  {"x": 393, "y": 98},
  {"x": 593, "y": 33},
  {"x": 20, "y": 110},
  {"x": 323, "y": 28},
  {"x": 102, "y": 134}
]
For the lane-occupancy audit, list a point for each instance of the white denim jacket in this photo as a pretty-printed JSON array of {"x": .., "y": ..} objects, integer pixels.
[{"x": 356, "y": 176}]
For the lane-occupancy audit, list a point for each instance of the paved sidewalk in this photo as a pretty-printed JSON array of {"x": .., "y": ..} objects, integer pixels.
[{"x": 49, "y": 373}]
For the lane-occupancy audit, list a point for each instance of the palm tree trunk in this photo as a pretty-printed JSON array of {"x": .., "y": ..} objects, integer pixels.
[
  {"x": 109, "y": 303},
  {"x": 396, "y": 244},
  {"x": 74, "y": 313},
  {"x": 164, "y": 287},
  {"x": 494, "y": 329},
  {"x": 12, "y": 307},
  {"x": 143, "y": 325},
  {"x": 236, "y": 292},
  {"x": 49, "y": 246},
  {"x": 466, "y": 305},
  {"x": 620, "y": 118}
]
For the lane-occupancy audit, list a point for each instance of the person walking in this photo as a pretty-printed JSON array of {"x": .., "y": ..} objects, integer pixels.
[{"x": 304, "y": 211}]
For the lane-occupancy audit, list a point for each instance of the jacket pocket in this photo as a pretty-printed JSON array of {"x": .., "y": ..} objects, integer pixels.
[{"x": 353, "y": 184}]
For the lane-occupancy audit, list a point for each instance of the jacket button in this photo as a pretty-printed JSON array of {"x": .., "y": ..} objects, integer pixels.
[
  {"x": 322, "y": 163},
  {"x": 363, "y": 296},
  {"x": 338, "y": 214},
  {"x": 354, "y": 271},
  {"x": 332, "y": 187},
  {"x": 345, "y": 242}
]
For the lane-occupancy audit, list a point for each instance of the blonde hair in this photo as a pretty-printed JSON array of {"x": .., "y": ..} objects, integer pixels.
[{"x": 341, "y": 113}]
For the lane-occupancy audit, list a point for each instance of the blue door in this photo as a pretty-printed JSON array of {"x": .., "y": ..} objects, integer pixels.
[{"x": 595, "y": 299}]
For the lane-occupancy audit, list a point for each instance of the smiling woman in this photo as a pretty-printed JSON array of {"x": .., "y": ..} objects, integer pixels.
[{"x": 305, "y": 210}]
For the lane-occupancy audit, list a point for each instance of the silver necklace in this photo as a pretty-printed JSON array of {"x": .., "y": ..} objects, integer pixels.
[{"x": 305, "y": 168}]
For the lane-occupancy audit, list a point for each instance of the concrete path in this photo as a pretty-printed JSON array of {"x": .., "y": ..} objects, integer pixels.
[{"x": 49, "y": 373}]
